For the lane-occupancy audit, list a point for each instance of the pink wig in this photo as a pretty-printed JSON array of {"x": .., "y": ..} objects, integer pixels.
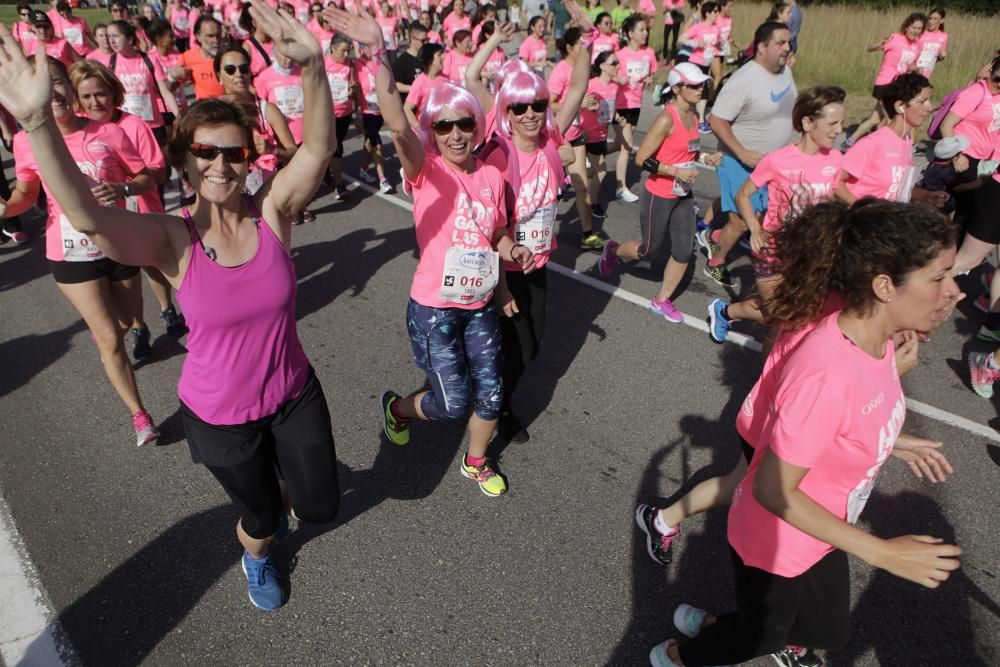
[
  {"x": 461, "y": 101},
  {"x": 512, "y": 66},
  {"x": 523, "y": 87}
]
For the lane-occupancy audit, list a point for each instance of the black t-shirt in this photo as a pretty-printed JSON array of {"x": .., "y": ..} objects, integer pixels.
[{"x": 406, "y": 69}]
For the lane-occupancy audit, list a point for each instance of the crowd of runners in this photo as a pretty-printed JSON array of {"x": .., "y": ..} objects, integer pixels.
[{"x": 854, "y": 245}]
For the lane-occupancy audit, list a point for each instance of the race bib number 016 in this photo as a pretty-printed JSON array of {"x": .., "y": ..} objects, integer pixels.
[{"x": 469, "y": 275}]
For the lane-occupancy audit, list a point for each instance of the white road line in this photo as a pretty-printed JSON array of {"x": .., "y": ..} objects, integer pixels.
[
  {"x": 921, "y": 408},
  {"x": 27, "y": 637}
]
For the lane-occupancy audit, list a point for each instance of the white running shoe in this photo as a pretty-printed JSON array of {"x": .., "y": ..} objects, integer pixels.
[{"x": 626, "y": 196}]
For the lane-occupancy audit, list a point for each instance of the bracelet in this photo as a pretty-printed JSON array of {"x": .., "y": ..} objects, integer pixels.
[
  {"x": 516, "y": 245},
  {"x": 35, "y": 126},
  {"x": 378, "y": 55}
]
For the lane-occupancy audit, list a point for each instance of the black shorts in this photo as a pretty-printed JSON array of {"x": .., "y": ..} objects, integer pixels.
[
  {"x": 631, "y": 116},
  {"x": 983, "y": 223},
  {"x": 705, "y": 69},
  {"x": 372, "y": 125},
  {"x": 579, "y": 141},
  {"x": 343, "y": 125},
  {"x": 295, "y": 442},
  {"x": 597, "y": 148},
  {"x": 73, "y": 273}
]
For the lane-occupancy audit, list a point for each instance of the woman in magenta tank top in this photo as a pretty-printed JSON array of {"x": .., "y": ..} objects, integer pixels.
[
  {"x": 669, "y": 153},
  {"x": 250, "y": 402}
]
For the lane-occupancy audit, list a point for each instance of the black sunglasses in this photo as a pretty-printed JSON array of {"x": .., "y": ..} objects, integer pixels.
[
  {"x": 232, "y": 154},
  {"x": 521, "y": 108},
  {"x": 232, "y": 69},
  {"x": 443, "y": 127}
]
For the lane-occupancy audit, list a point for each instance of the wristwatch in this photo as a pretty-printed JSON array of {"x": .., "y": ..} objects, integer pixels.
[{"x": 128, "y": 190}]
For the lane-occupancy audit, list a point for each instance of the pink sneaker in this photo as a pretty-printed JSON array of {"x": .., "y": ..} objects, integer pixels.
[
  {"x": 145, "y": 432},
  {"x": 667, "y": 310},
  {"x": 606, "y": 265}
]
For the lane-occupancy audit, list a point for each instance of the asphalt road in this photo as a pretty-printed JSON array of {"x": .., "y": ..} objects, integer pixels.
[{"x": 135, "y": 548}]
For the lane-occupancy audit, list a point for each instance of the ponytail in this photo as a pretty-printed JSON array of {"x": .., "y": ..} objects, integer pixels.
[{"x": 832, "y": 247}]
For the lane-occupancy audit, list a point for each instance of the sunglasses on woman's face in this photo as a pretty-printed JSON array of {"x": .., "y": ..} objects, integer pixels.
[
  {"x": 521, "y": 108},
  {"x": 444, "y": 127},
  {"x": 232, "y": 154},
  {"x": 612, "y": 63},
  {"x": 232, "y": 69},
  {"x": 25, "y": 15}
]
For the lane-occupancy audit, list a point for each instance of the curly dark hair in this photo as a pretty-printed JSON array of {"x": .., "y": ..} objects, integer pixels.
[
  {"x": 211, "y": 112},
  {"x": 904, "y": 88},
  {"x": 833, "y": 247}
]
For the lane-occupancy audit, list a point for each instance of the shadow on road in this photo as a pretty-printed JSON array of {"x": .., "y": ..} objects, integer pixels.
[{"x": 25, "y": 357}]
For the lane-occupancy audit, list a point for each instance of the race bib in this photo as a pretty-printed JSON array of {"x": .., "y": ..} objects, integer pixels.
[
  {"x": 683, "y": 188},
  {"x": 289, "y": 100},
  {"x": 927, "y": 60},
  {"x": 857, "y": 499},
  {"x": 906, "y": 188},
  {"x": 469, "y": 275},
  {"x": 709, "y": 54},
  {"x": 605, "y": 111},
  {"x": 132, "y": 204},
  {"x": 76, "y": 246},
  {"x": 139, "y": 105},
  {"x": 536, "y": 231},
  {"x": 339, "y": 89},
  {"x": 371, "y": 101},
  {"x": 255, "y": 180},
  {"x": 637, "y": 70},
  {"x": 389, "y": 35},
  {"x": 181, "y": 23},
  {"x": 73, "y": 35}
]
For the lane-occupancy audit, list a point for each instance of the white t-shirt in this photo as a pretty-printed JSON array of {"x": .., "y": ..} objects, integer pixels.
[{"x": 759, "y": 105}]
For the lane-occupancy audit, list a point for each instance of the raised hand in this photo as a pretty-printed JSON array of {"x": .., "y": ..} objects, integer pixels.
[
  {"x": 579, "y": 16},
  {"x": 291, "y": 39},
  {"x": 360, "y": 27},
  {"x": 506, "y": 32},
  {"x": 25, "y": 89}
]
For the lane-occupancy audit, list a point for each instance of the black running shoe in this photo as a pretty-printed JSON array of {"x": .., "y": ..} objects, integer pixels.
[
  {"x": 796, "y": 656},
  {"x": 140, "y": 343},
  {"x": 176, "y": 326},
  {"x": 657, "y": 544},
  {"x": 598, "y": 211}
]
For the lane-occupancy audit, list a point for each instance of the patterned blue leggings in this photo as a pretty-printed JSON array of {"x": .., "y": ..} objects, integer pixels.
[{"x": 457, "y": 348}]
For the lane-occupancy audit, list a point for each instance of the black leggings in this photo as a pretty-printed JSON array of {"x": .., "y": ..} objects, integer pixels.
[
  {"x": 673, "y": 30},
  {"x": 12, "y": 224},
  {"x": 811, "y": 610},
  {"x": 522, "y": 334},
  {"x": 295, "y": 443}
]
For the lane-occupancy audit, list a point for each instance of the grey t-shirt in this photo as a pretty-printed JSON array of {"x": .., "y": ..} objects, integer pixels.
[{"x": 759, "y": 105}]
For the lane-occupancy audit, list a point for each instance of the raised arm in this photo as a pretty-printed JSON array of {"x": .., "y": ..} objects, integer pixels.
[
  {"x": 363, "y": 28},
  {"x": 474, "y": 72},
  {"x": 129, "y": 238},
  {"x": 294, "y": 186},
  {"x": 569, "y": 106}
]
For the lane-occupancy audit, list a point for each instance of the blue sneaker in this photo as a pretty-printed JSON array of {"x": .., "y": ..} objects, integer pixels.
[
  {"x": 264, "y": 583},
  {"x": 718, "y": 326},
  {"x": 688, "y": 620}
]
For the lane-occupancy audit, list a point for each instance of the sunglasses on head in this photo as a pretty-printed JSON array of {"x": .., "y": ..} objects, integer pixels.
[
  {"x": 232, "y": 154},
  {"x": 521, "y": 108},
  {"x": 443, "y": 127},
  {"x": 232, "y": 69}
]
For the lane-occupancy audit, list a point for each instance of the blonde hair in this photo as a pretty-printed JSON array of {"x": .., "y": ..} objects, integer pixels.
[{"x": 89, "y": 69}]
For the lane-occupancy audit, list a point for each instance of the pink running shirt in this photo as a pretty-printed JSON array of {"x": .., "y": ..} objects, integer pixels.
[
  {"x": 603, "y": 43},
  {"x": 389, "y": 26},
  {"x": 680, "y": 147},
  {"x": 283, "y": 89},
  {"x": 322, "y": 35},
  {"x": 453, "y": 24},
  {"x": 141, "y": 91},
  {"x": 667, "y": 6},
  {"x": 180, "y": 21},
  {"x": 452, "y": 209},
  {"x": 795, "y": 181},
  {"x": 707, "y": 37},
  {"x": 59, "y": 49},
  {"x": 898, "y": 54},
  {"x": 536, "y": 207},
  {"x": 454, "y": 66},
  {"x": 980, "y": 114},
  {"x": 533, "y": 50},
  {"x": 636, "y": 67},
  {"x": 494, "y": 63},
  {"x": 74, "y": 30},
  {"x": 364, "y": 72},
  {"x": 104, "y": 154},
  {"x": 99, "y": 56},
  {"x": 880, "y": 165},
  {"x": 421, "y": 90},
  {"x": 141, "y": 136},
  {"x": 338, "y": 75},
  {"x": 558, "y": 87},
  {"x": 931, "y": 44},
  {"x": 837, "y": 412},
  {"x": 595, "y": 123}
]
